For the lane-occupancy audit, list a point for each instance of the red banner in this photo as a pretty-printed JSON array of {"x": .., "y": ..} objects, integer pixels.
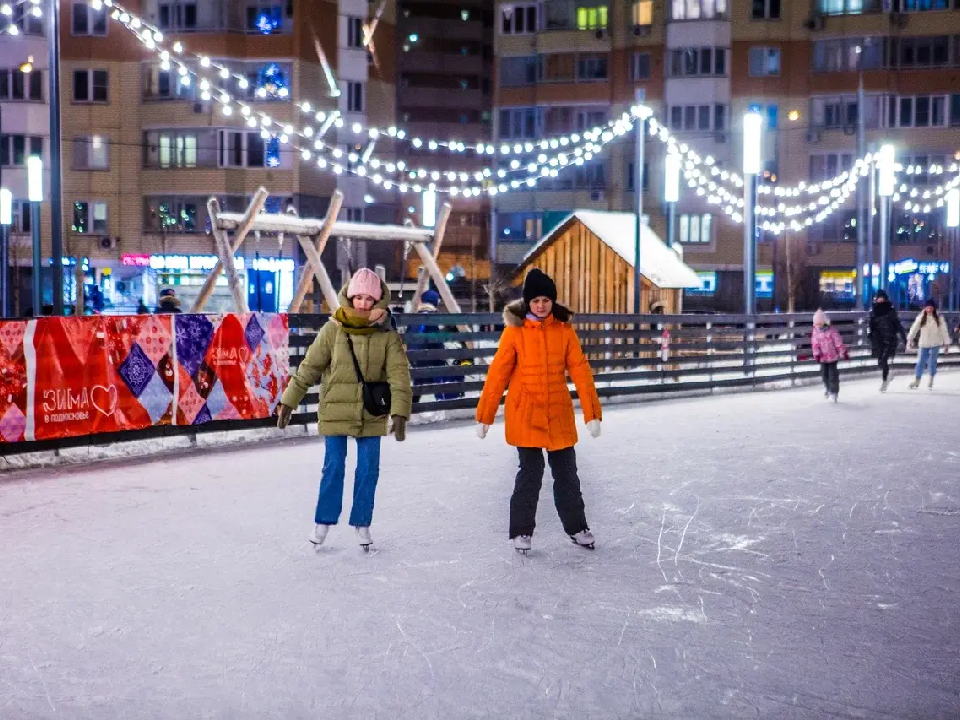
[{"x": 64, "y": 377}]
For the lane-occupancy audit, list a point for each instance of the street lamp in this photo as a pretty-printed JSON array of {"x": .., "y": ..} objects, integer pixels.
[
  {"x": 886, "y": 179},
  {"x": 429, "y": 217},
  {"x": 752, "y": 165},
  {"x": 953, "y": 222},
  {"x": 671, "y": 196},
  {"x": 35, "y": 196},
  {"x": 6, "y": 220}
]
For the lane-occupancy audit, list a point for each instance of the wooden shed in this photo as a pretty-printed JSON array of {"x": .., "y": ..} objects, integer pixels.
[{"x": 590, "y": 255}]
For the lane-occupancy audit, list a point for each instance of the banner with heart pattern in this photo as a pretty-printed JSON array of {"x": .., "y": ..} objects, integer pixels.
[{"x": 66, "y": 377}]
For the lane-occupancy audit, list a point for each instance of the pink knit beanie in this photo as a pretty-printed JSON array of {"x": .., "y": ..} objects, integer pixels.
[{"x": 365, "y": 282}]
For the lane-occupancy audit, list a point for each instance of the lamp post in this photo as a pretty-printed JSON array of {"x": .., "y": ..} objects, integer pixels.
[
  {"x": 56, "y": 197},
  {"x": 6, "y": 220},
  {"x": 862, "y": 218},
  {"x": 752, "y": 135},
  {"x": 671, "y": 195},
  {"x": 639, "y": 131},
  {"x": 885, "y": 185},
  {"x": 953, "y": 221}
]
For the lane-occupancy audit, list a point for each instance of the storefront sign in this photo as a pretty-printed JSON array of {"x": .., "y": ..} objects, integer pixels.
[
  {"x": 70, "y": 376},
  {"x": 132, "y": 260},
  {"x": 208, "y": 262}
]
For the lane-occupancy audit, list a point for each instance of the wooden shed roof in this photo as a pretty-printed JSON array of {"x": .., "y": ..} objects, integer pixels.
[{"x": 658, "y": 263}]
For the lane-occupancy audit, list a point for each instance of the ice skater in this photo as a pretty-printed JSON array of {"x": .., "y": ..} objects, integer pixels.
[
  {"x": 828, "y": 348},
  {"x": 357, "y": 355},
  {"x": 928, "y": 334},
  {"x": 536, "y": 351},
  {"x": 885, "y": 333}
]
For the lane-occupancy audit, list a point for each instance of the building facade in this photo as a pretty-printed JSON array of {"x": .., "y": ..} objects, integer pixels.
[
  {"x": 143, "y": 149},
  {"x": 565, "y": 66}
]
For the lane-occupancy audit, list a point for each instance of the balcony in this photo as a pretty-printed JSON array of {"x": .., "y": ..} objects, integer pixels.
[
  {"x": 565, "y": 15},
  {"x": 249, "y": 17},
  {"x": 441, "y": 63},
  {"x": 441, "y": 97}
]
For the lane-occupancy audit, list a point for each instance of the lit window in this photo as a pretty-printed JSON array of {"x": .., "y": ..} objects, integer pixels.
[
  {"x": 642, "y": 13},
  {"x": 696, "y": 229},
  {"x": 592, "y": 18}
]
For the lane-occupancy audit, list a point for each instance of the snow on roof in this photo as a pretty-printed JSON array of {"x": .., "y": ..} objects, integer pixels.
[{"x": 658, "y": 263}]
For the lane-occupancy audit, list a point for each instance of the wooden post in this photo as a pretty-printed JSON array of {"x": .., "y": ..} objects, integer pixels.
[
  {"x": 306, "y": 275},
  {"x": 438, "y": 234},
  {"x": 256, "y": 205},
  {"x": 320, "y": 272},
  {"x": 431, "y": 265},
  {"x": 225, "y": 251}
]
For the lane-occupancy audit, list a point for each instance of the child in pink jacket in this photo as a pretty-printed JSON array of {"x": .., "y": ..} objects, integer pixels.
[{"x": 828, "y": 348}]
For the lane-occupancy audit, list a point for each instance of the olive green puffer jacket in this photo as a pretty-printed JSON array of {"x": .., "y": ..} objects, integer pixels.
[{"x": 382, "y": 358}]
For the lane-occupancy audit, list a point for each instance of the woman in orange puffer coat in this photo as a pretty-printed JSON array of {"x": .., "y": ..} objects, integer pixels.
[{"x": 537, "y": 350}]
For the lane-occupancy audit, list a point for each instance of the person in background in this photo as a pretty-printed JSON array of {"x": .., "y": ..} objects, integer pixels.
[
  {"x": 142, "y": 308},
  {"x": 537, "y": 349},
  {"x": 168, "y": 302},
  {"x": 828, "y": 348},
  {"x": 360, "y": 336},
  {"x": 929, "y": 333},
  {"x": 885, "y": 332},
  {"x": 429, "y": 302}
]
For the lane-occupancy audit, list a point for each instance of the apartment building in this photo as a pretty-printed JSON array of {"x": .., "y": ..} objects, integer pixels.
[
  {"x": 700, "y": 65},
  {"x": 143, "y": 150},
  {"x": 445, "y": 92}
]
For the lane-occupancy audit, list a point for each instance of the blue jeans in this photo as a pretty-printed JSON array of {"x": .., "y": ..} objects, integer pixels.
[
  {"x": 330, "y": 502},
  {"x": 928, "y": 356}
]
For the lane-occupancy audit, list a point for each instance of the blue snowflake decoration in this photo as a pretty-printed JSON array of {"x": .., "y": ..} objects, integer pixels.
[
  {"x": 272, "y": 78},
  {"x": 273, "y": 152},
  {"x": 267, "y": 22}
]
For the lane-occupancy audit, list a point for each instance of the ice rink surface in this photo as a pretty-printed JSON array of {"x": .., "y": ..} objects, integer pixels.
[{"x": 766, "y": 555}]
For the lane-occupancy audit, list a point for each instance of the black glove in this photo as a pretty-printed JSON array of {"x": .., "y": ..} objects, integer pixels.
[
  {"x": 400, "y": 428},
  {"x": 283, "y": 415}
]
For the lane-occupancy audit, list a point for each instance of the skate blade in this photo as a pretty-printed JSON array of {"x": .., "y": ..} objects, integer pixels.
[
  {"x": 365, "y": 548},
  {"x": 521, "y": 551},
  {"x": 588, "y": 547}
]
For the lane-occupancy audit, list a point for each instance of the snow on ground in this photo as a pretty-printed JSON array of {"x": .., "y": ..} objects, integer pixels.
[{"x": 764, "y": 555}]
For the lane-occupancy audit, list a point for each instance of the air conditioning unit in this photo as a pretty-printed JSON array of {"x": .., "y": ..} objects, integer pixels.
[
  {"x": 814, "y": 23},
  {"x": 814, "y": 136},
  {"x": 599, "y": 33},
  {"x": 106, "y": 242},
  {"x": 198, "y": 108},
  {"x": 597, "y": 196},
  {"x": 641, "y": 30}
]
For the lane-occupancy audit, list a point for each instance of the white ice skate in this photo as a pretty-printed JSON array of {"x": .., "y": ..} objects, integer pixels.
[
  {"x": 930, "y": 384},
  {"x": 363, "y": 537},
  {"x": 319, "y": 534},
  {"x": 884, "y": 385},
  {"x": 521, "y": 543},
  {"x": 915, "y": 384},
  {"x": 584, "y": 538}
]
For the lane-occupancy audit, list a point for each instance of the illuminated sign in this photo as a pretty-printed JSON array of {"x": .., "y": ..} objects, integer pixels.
[{"x": 202, "y": 262}]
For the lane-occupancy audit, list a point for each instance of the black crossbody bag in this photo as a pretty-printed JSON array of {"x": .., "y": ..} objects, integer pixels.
[{"x": 376, "y": 395}]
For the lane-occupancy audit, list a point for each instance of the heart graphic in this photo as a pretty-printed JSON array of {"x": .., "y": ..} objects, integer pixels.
[
  {"x": 244, "y": 354},
  {"x": 104, "y": 399}
]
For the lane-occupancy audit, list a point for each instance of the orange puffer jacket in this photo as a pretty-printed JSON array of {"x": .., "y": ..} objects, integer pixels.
[{"x": 533, "y": 359}]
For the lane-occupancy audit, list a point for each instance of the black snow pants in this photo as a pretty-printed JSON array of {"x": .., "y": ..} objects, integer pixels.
[
  {"x": 831, "y": 377},
  {"x": 566, "y": 491}
]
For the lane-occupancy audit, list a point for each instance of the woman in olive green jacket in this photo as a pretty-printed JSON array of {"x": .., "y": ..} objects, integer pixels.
[{"x": 363, "y": 322}]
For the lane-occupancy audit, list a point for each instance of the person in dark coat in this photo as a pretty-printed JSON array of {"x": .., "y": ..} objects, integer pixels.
[
  {"x": 885, "y": 334},
  {"x": 168, "y": 302}
]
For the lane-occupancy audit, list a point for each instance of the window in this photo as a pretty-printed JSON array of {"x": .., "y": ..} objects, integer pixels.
[
  {"x": 91, "y": 153},
  {"x": 826, "y": 166},
  {"x": 87, "y": 21},
  {"x": 518, "y": 19},
  {"x": 160, "y": 84},
  {"x": 849, "y": 7},
  {"x": 696, "y": 229},
  {"x": 642, "y": 13},
  {"x": 917, "y": 166},
  {"x": 848, "y": 54},
  {"x": 924, "y": 5},
  {"x": 591, "y": 67},
  {"x": 177, "y": 16},
  {"x": 954, "y": 110},
  {"x": 640, "y": 66},
  {"x": 517, "y": 71},
  {"x": 630, "y": 176},
  {"x": 354, "y": 97},
  {"x": 841, "y": 112},
  {"x": 698, "y": 118},
  {"x": 355, "y": 32},
  {"x": 698, "y": 9},
  {"x": 764, "y": 61},
  {"x": 521, "y": 123},
  {"x": 18, "y": 85},
  {"x": 21, "y": 15},
  {"x": 840, "y": 226},
  {"x": 14, "y": 149},
  {"x": 90, "y": 218},
  {"x": 519, "y": 226},
  {"x": 558, "y": 67},
  {"x": 918, "y": 52},
  {"x": 21, "y": 217},
  {"x": 917, "y": 111},
  {"x": 592, "y": 18},
  {"x": 174, "y": 214},
  {"x": 264, "y": 19},
  {"x": 90, "y": 86},
  {"x": 698, "y": 62},
  {"x": 165, "y": 149},
  {"x": 766, "y": 9}
]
